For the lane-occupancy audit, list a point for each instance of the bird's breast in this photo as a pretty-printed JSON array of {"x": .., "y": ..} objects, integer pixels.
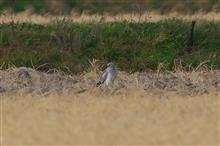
[{"x": 108, "y": 80}]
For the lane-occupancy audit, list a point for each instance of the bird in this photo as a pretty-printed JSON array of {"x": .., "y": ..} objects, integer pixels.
[{"x": 108, "y": 75}]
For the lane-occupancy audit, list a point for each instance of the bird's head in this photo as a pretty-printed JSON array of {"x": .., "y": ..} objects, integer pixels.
[{"x": 110, "y": 64}]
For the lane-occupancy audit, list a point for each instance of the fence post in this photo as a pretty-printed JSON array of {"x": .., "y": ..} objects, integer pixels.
[{"x": 190, "y": 41}]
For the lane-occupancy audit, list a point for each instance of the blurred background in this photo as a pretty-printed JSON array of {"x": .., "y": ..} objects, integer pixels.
[
  {"x": 136, "y": 34},
  {"x": 110, "y": 6}
]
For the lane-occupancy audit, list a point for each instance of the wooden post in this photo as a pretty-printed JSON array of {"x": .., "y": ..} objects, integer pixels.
[{"x": 190, "y": 37}]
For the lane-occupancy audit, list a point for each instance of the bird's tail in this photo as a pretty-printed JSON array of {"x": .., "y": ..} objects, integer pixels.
[{"x": 99, "y": 83}]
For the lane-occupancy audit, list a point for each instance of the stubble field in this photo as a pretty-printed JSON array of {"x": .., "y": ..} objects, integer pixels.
[
  {"x": 136, "y": 118},
  {"x": 143, "y": 108}
]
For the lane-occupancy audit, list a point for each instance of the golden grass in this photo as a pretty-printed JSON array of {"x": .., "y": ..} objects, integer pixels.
[
  {"x": 124, "y": 117},
  {"x": 27, "y": 16}
]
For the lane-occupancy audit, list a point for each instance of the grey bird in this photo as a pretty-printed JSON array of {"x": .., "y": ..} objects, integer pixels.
[{"x": 109, "y": 75}]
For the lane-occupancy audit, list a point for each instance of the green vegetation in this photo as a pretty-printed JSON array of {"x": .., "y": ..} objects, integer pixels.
[
  {"x": 133, "y": 46},
  {"x": 111, "y": 6},
  {"x": 21, "y": 5}
]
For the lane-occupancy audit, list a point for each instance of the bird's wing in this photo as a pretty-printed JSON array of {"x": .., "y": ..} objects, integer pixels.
[{"x": 103, "y": 77}]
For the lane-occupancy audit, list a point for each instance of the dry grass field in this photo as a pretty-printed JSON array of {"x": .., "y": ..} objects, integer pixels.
[
  {"x": 27, "y": 16},
  {"x": 133, "y": 113},
  {"x": 126, "y": 117}
]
